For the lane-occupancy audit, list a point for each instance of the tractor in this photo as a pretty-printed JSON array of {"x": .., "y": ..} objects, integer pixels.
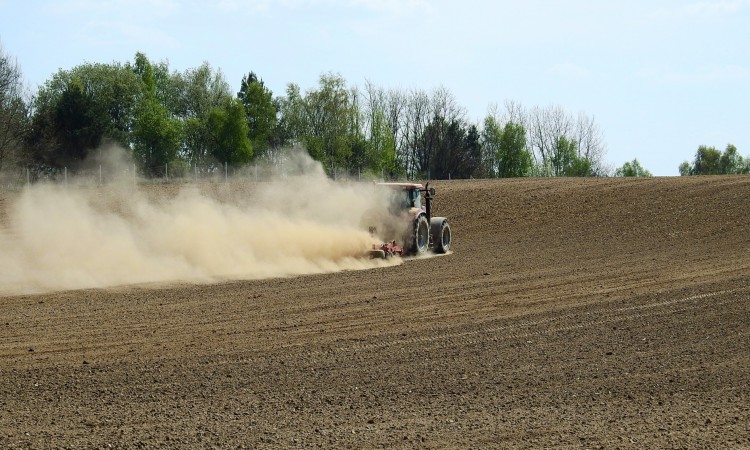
[{"x": 408, "y": 223}]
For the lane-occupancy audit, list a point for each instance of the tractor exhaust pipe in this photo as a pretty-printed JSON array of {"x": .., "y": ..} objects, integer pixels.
[{"x": 428, "y": 194}]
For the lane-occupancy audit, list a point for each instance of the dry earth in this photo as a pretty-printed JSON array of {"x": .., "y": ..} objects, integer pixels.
[{"x": 581, "y": 313}]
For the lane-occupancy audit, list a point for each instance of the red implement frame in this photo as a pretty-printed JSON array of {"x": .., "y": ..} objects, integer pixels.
[{"x": 386, "y": 250}]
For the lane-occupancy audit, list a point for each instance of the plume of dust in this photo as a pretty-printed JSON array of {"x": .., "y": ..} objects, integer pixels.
[{"x": 58, "y": 238}]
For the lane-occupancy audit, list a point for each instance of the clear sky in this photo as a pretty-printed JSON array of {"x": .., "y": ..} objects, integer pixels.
[{"x": 660, "y": 77}]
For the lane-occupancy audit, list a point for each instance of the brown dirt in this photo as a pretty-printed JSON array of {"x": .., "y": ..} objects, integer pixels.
[{"x": 578, "y": 313}]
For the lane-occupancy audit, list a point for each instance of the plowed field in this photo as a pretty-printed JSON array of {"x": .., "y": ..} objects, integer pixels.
[{"x": 580, "y": 313}]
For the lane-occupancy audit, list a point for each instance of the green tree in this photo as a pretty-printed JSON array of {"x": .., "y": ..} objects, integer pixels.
[
  {"x": 432, "y": 150},
  {"x": 731, "y": 162},
  {"x": 632, "y": 169},
  {"x": 80, "y": 123},
  {"x": 229, "y": 134},
  {"x": 552, "y": 133},
  {"x": 290, "y": 127},
  {"x": 453, "y": 150},
  {"x": 164, "y": 86},
  {"x": 260, "y": 110},
  {"x": 581, "y": 167},
  {"x": 200, "y": 92},
  {"x": 380, "y": 119},
  {"x": 567, "y": 162},
  {"x": 325, "y": 121},
  {"x": 492, "y": 134},
  {"x": 376, "y": 154},
  {"x": 468, "y": 158},
  {"x": 330, "y": 121},
  {"x": 156, "y": 138},
  {"x": 143, "y": 68},
  {"x": 513, "y": 158},
  {"x": 78, "y": 109},
  {"x": 707, "y": 161},
  {"x": 685, "y": 169}
]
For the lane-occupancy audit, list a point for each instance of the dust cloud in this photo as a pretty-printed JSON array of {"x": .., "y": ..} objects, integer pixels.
[{"x": 58, "y": 238}]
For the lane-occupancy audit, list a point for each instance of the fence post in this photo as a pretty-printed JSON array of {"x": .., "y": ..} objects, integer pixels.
[
  {"x": 28, "y": 176},
  {"x": 100, "y": 175},
  {"x": 226, "y": 171},
  {"x": 166, "y": 172},
  {"x": 135, "y": 177},
  {"x": 66, "y": 176}
]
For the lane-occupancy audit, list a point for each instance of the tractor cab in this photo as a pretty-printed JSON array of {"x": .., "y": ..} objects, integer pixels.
[
  {"x": 405, "y": 196},
  {"x": 405, "y": 199}
]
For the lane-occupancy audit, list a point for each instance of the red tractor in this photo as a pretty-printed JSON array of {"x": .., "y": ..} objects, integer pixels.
[{"x": 408, "y": 224}]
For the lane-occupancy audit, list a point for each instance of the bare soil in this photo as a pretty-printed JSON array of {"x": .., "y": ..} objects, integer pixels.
[{"x": 580, "y": 313}]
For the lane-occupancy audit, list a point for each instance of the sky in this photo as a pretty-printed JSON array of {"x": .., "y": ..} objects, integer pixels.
[{"x": 659, "y": 77}]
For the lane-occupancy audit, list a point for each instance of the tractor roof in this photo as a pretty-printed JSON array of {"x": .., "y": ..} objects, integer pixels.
[{"x": 404, "y": 186}]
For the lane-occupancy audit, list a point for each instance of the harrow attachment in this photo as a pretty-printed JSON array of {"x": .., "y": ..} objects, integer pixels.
[{"x": 387, "y": 250}]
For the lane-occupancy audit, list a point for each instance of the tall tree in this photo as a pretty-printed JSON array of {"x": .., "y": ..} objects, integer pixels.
[
  {"x": 290, "y": 128},
  {"x": 432, "y": 146},
  {"x": 589, "y": 141},
  {"x": 731, "y": 162},
  {"x": 491, "y": 137},
  {"x": 77, "y": 110},
  {"x": 471, "y": 156},
  {"x": 81, "y": 123},
  {"x": 325, "y": 120},
  {"x": 450, "y": 135},
  {"x": 201, "y": 91},
  {"x": 441, "y": 140},
  {"x": 566, "y": 160},
  {"x": 417, "y": 116},
  {"x": 260, "y": 111},
  {"x": 513, "y": 158},
  {"x": 156, "y": 135},
  {"x": 13, "y": 110},
  {"x": 381, "y": 121},
  {"x": 546, "y": 128},
  {"x": 156, "y": 138},
  {"x": 707, "y": 161},
  {"x": 452, "y": 149},
  {"x": 230, "y": 143}
]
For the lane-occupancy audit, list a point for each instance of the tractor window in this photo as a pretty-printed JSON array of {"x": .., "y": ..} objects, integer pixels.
[
  {"x": 405, "y": 199},
  {"x": 401, "y": 200},
  {"x": 416, "y": 198}
]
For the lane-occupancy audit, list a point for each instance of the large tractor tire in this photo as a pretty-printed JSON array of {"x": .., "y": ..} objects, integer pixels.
[
  {"x": 420, "y": 239},
  {"x": 441, "y": 234}
]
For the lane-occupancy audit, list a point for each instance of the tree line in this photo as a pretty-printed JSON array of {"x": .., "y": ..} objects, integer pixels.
[
  {"x": 194, "y": 119},
  {"x": 711, "y": 161}
]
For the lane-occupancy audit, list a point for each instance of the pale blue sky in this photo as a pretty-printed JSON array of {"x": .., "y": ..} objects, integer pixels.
[{"x": 660, "y": 77}]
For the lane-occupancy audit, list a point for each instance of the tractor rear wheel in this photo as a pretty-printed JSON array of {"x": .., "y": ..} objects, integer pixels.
[{"x": 441, "y": 237}]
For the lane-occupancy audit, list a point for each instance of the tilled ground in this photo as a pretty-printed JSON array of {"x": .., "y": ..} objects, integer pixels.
[{"x": 572, "y": 313}]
